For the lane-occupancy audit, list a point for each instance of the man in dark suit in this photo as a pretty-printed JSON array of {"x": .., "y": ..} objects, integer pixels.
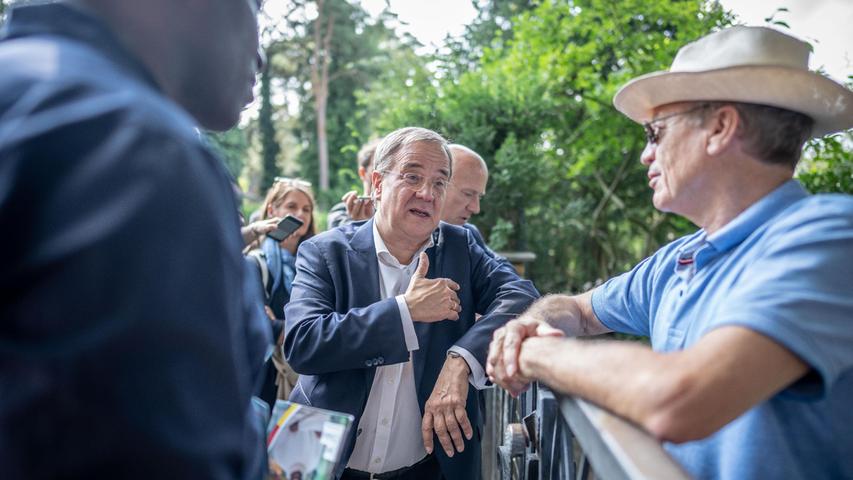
[
  {"x": 124, "y": 344},
  {"x": 381, "y": 322}
]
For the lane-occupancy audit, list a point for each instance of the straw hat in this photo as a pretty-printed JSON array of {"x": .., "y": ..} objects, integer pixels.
[{"x": 743, "y": 64}]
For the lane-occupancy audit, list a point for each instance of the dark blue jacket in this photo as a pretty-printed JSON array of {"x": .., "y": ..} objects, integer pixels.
[
  {"x": 338, "y": 330},
  {"x": 124, "y": 344}
]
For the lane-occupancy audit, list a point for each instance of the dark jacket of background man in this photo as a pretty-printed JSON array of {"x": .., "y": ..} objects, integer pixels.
[{"x": 123, "y": 342}]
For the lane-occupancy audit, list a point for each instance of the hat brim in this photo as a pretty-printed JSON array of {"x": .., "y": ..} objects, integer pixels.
[{"x": 828, "y": 103}]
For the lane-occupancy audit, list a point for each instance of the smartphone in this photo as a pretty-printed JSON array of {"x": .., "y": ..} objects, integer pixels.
[{"x": 285, "y": 228}]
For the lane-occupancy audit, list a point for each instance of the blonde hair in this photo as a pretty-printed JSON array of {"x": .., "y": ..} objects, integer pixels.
[{"x": 283, "y": 186}]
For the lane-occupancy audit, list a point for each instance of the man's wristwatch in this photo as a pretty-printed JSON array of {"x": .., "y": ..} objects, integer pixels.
[{"x": 453, "y": 354}]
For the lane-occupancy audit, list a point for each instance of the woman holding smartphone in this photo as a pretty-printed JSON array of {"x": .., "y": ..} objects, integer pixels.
[{"x": 276, "y": 261}]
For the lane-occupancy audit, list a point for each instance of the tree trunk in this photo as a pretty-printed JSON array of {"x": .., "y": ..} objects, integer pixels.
[
  {"x": 320, "y": 86},
  {"x": 269, "y": 143},
  {"x": 322, "y": 142}
]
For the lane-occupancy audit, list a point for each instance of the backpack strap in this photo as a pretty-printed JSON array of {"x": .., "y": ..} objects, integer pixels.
[{"x": 261, "y": 259}]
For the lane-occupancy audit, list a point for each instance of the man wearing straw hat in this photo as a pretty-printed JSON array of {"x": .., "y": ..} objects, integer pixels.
[{"x": 750, "y": 370}]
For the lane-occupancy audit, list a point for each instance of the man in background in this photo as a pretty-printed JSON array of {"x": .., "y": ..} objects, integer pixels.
[
  {"x": 467, "y": 187},
  {"x": 124, "y": 348},
  {"x": 466, "y": 190},
  {"x": 354, "y": 207}
]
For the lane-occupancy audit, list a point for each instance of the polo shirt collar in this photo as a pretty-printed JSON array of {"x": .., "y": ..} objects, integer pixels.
[{"x": 736, "y": 231}]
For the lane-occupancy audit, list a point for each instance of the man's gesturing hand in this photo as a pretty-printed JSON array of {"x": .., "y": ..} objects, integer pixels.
[
  {"x": 431, "y": 300},
  {"x": 444, "y": 411}
]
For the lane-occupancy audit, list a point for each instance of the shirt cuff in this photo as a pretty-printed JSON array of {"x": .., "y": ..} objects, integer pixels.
[
  {"x": 408, "y": 324},
  {"x": 477, "y": 377}
]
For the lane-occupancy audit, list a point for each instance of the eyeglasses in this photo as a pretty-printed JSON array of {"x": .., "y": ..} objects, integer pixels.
[
  {"x": 416, "y": 181},
  {"x": 653, "y": 131},
  {"x": 292, "y": 181}
]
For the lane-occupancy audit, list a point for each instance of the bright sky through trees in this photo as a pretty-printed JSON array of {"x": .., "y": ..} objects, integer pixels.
[{"x": 824, "y": 23}]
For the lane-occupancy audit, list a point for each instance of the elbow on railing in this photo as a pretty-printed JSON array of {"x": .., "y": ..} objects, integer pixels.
[
  {"x": 674, "y": 426},
  {"x": 675, "y": 414},
  {"x": 615, "y": 447}
]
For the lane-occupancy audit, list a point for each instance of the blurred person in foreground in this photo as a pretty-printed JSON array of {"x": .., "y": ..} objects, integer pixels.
[
  {"x": 380, "y": 323},
  {"x": 275, "y": 267},
  {"x": 354, "y": 207},
  {"x": 124, "y": 345},
  {"x": 750, "y": 370}
]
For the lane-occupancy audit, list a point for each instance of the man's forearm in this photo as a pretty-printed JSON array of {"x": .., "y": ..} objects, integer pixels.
[
  {"x": 626, "y": 378},
  {"x": 677, "y": 396},
  {"x": 571, "y": 314}
]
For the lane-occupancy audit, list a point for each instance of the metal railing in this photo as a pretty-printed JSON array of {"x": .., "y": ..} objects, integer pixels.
[{"x": 561, "y": 437}]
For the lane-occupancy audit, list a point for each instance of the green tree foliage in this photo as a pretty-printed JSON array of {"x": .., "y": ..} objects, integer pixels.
[
  {"x": 232, "y": 147},
  {"x": 827, "y": 164},
  {"x": 360, "y": 49},
  {"x": 566, "y": 181},
  {"x": 492, "y": 29}
]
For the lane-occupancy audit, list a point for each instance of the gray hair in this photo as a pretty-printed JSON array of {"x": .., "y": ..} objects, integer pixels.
[
  {"x": 770, "y": 134},
  {"x": 385, "y": 157}
]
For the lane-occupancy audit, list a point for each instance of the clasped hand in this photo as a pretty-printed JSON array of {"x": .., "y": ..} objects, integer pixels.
[{"x": 503, "y": 365}]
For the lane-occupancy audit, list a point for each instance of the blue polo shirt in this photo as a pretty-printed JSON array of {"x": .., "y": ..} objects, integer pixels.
[{"x": 783, "y": 268}]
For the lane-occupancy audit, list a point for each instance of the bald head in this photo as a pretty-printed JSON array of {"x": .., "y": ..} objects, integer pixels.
[{"x": 467, "y": 185}]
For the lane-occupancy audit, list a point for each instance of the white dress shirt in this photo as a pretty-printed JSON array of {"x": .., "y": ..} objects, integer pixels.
[{"x": 389, "y": 432}]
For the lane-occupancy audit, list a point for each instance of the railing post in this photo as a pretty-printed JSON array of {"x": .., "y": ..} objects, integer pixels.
[{"x": 501, "y": 409}]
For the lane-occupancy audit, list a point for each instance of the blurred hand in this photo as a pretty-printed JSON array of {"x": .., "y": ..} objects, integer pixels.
[
  {"x": 502, "y": 364},
  {"x": 444, "y": 411},
  {"x": 265, "y": 226},
  {"x": 255, "y": 230},
  {"x": 358, "y": 208},
  {"x": 431, "y": 300}
]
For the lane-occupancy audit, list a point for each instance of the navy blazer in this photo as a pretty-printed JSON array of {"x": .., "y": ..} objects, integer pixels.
[{"x": 338, "y": 330}]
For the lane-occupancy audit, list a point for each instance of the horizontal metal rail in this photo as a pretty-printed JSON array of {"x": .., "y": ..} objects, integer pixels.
[
  {"x": 562, "y": 437},
  {"x": 616, "y": 448}
]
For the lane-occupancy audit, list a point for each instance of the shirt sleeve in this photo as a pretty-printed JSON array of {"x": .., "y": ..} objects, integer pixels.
[
  {"x": 477, "y": 377},
  {"x": 798, "y": 293},
  {"x": 624, "y": 303},
  {"x": 408, "y": 324}
]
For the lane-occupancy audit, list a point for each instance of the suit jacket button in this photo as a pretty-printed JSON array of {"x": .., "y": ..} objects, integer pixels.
[
  {"x": 380, "y": 360},
  {"x": 369, "y": 363}
]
